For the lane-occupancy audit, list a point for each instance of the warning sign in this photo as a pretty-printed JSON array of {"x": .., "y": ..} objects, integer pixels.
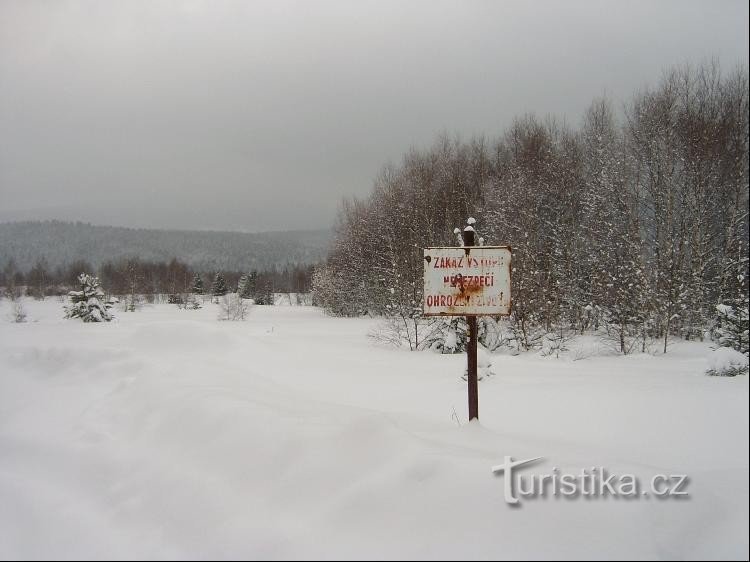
[{"x": 469, "y": 281}]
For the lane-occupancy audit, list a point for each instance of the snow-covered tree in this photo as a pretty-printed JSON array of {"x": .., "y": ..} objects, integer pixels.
[
  {"x": 233, "y": 307},
  {"x": 89, "y": 303},
  {"x": 37, "y": 279},
  {"x": 263, "y": 293},
  {"x": 252, "y": 284},
  {"x": 134, "y": 277},
  {"x": 17, "y": 312},
  {"x": 323, "y": 289},
  {"x": 198, "y": 284},
  {"x": 732, "y": 326},
  {"x": 246, "y": 286},
  {"x": 219, "y": 286},
  {"x": 633, "y": 227}
]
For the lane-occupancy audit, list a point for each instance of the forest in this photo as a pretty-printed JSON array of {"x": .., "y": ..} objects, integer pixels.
[
  {"x": 153, "y": 280},
  {"x": 633, "y": 224},
  {"x": 25, "y": 244}
]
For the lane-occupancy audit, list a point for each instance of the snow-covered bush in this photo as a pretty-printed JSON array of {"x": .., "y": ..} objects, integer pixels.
[
  {"x": 484, "y": 366},
  {"x": 12, "y": 293},
  {"x": 451, "y": 334},
  {"x": 525, "y": 331},
  {"x": 624, "y": 334},
  {"x": 555, "y": 343},
  {"x": 416, "y": 333},
  {"x": 233, "y": 307},
  {"x": 131, "y": 302},
  {"x": 727, "y": 362},
  {"x": 176, "y": 298},
  {"x": 190, "y": 301},
  {"x": 89, "y": 304},
  {"x": 17, "y": 312},
  {"x": 492, "y": 333}
]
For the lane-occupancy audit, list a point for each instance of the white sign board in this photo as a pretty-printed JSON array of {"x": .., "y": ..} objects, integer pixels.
[{"x": 471, "y": 281}]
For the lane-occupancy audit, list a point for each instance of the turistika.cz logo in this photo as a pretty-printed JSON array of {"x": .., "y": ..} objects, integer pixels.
[{"x": 593, "y": 482}]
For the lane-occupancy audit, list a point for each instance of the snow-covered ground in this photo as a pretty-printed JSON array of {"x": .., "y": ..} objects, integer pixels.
[{"x": 169, "y": 434}]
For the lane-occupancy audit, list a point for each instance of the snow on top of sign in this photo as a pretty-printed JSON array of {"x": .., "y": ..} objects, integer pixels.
[
  {"x": 471, "y": 220},
  {"x": 469, "y": 229}
]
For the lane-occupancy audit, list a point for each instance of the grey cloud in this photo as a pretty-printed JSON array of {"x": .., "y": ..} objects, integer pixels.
[{"x": 262, "y": 115}]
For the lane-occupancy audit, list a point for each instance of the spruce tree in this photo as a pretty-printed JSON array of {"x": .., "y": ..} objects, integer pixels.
[
  {"x": 89, "y": 303},
  {"x": 198, "y": 284},
  {"x": 241, "y": 282},
  {"x": 219, "y": 286},
  {"x": 264, "y": 293},
  {"x": 731, "y": 328},
  {"x": 243, "y": 287}
]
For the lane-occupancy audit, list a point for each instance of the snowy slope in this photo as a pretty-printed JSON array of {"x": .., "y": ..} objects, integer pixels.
[{"x": 169, "y": 434}]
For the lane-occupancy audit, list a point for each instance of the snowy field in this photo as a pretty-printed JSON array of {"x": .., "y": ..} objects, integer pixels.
[{"x": 169, "y": 434}]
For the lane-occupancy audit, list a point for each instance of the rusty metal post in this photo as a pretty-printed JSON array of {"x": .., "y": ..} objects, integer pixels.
[
  {"x": 472, "y": 378},
  {"x": 471, "y": 350}
]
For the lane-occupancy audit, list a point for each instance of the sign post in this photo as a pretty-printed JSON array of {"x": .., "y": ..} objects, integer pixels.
[
  {"x": 471, "y": 350},
  {"x": 468, "y": 281}
]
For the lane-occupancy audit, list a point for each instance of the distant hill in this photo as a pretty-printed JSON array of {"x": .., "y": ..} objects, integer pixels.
[{"x": 60, "y": 243}]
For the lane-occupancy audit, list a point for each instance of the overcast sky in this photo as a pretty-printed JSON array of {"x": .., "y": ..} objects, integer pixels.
[{"x": 263, "y": 115}]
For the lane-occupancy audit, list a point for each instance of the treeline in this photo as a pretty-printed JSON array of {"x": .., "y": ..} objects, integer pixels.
[
  {"x": 60, "y": 243},
  {"x": 143, "y": 277},
  {"x": 635, "y": 223}
]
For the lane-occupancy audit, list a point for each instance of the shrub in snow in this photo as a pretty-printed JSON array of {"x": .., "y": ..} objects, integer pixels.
[
  {"x": 525, "y": 330},
  {"x": 727, "y": 362},
  {"x": 12, "y": 293},
  {"x": 484, "y": 365},
  {"x": 555, "y": 343},
  {"x": 451, "y": 335},
  {"x": 417, "y": 333},
  {"x": 233, "y": 307},
  {"x": 89, "y": 303},
  {"x": 190, "y": 301},
  {"x": 132, "y": 302},
  {"x": 623, "y": 336},
  {"x": 175, "y": 299},
  {"x": 17, "y": 312},
  {"x": 440, "y": 334},
  {"x": 491, "y": 334}
]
